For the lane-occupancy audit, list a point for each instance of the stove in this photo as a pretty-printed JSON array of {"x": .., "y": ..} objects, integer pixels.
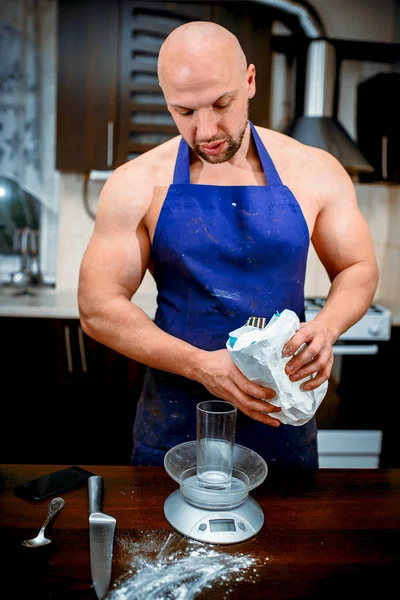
[
  {"x": 347, "y": 434},
  {"x": 374, "y": 326}
]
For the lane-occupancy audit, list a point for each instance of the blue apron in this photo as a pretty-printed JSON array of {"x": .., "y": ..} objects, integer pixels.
[{"x": 222, "y": 254}]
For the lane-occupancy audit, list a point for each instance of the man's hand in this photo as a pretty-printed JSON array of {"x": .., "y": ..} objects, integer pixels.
[
  {"x": 315, "y": 358},
  {"x": 219, "y": 374}
]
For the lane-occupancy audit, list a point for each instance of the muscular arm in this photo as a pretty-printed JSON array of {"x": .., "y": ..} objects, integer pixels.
[
  {"x": 112, "y": 269},
  {"x": 343, "y": 242}
]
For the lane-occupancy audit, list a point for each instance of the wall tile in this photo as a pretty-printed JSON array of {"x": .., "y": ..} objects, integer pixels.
[
  {"x": 73, "y": 216},
  {"x": 70, "y": 253},
  {"x": 317, "y": 281},
  {"x": 394, "y": 217},
  {"x": 389, "y": 284}
]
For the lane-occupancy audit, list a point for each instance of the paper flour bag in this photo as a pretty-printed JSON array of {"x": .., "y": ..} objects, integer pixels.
[{"x": 258, "y": 354}]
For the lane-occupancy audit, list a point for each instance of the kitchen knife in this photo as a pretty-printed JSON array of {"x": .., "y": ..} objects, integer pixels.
[{"x": 101, "y": 538}]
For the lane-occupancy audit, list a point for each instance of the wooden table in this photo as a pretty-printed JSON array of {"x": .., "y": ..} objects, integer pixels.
[{"x": 326, "y": 533}]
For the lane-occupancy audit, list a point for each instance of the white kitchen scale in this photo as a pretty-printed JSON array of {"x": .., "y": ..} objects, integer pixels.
[{"x": 216, "y": 516}]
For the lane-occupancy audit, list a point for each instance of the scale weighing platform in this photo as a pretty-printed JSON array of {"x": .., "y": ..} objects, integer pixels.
[{"x": 216, "y": 516}]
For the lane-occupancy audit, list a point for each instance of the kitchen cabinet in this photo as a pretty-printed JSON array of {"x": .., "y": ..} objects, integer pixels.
[
  {"x": 70, "y": 399},
  {"x": 87, "y": 62},
  {"x": 110, "y": 107}
]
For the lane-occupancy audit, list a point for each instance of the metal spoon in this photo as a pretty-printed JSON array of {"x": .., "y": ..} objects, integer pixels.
[{"x": 55, "y": 506}]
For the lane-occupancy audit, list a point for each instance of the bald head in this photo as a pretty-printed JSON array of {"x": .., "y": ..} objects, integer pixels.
[
  {"x": 207, "y": 85},
  {"x": 199, "y": 50}
]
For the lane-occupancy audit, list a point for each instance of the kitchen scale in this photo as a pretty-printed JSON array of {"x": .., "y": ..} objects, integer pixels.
[{"x": 216, "y": 516}]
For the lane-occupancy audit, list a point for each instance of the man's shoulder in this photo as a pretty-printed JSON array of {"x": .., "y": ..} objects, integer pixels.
[
  {"x": 155, "y": 165},
  {"x": 285, "y": 147}
]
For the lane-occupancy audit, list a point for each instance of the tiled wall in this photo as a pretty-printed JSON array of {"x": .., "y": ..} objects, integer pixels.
[{"x": 379, "y": 203}]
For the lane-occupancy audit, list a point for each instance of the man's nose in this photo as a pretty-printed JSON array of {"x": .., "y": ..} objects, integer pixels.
[{"x": 207, "y": 125}]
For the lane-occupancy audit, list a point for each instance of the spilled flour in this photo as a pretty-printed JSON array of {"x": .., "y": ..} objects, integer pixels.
[{"x": 170, "y": 567}]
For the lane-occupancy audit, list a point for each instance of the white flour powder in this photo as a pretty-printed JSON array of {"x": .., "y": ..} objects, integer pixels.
[{"x": 172, "y": 567}]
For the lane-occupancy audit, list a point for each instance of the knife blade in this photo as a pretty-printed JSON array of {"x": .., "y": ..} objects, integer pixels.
[{"x": 101, "y": 538}]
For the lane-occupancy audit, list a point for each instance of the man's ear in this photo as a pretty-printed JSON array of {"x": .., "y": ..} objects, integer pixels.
[{"x": 251, "y": 80}]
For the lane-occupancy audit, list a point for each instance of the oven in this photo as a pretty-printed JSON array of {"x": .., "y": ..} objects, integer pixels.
[{"x": 350, "y": 430}]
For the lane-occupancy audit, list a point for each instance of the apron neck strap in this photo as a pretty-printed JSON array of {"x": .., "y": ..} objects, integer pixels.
[
  {"x": 182, "y": 165},
  {"x": 268, "y": 166}
]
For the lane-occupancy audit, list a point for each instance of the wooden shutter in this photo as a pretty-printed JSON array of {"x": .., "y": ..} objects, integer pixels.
[{"x": 144, "y": 120}]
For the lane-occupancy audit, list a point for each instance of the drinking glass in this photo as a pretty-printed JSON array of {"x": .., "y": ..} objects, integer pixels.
[{"x": 216, "y": 427}]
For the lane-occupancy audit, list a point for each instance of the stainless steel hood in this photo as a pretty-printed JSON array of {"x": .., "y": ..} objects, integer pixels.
[{"x": 318, "y": 127}]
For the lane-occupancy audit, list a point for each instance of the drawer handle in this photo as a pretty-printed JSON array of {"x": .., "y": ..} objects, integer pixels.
[
  {"x": 82, "y": 349},
  {"x": 356, "y": 349},
  {"x": 68, "y": 348}
]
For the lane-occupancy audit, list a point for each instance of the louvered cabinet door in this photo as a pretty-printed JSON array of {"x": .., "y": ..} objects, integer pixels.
[{"x": 143, "y": 118}]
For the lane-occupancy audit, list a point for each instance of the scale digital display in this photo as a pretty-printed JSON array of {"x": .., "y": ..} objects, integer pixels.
[{"x": 222, "y": 525}]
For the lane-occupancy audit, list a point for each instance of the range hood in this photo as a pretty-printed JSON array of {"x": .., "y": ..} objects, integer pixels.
[{"x": 318, "y": 127}]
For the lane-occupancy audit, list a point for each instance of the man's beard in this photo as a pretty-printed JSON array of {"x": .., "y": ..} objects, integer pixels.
[{"x": 234, "y": 143}]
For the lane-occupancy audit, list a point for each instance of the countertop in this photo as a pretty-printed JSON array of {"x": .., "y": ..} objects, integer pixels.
[
  {"x": 327, "y": 533},
  {"x": 58, "y": 304},
  {"x": 53, "y": 303}
]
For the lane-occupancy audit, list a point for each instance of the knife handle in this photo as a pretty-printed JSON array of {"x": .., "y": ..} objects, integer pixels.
[{"x": 95, "y": 491}]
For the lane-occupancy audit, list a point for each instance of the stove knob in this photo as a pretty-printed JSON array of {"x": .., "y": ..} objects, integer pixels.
[{"x": 374, "y": 329}]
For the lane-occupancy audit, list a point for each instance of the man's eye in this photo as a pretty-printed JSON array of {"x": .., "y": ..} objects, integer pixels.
[
  {"x": 221, "y": 106},
  {"x": 186, "y": 113}
]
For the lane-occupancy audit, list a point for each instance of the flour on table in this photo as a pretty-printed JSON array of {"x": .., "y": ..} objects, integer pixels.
[{"x": 164, "y": 566}]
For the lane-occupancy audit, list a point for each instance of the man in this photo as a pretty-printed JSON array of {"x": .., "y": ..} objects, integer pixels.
[{"x": 222, "y": 215}]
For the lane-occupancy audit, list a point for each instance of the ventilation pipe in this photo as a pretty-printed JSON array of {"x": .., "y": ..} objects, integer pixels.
[{"x": 318, "y": 127}]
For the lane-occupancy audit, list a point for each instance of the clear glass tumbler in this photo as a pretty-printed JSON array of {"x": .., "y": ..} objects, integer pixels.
[{"x": 216, "y": 427}]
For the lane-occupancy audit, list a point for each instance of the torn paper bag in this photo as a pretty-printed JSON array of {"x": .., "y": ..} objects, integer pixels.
[{"x": 258, "y": 354}]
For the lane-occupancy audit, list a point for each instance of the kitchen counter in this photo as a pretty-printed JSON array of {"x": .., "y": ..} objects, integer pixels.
[
  {"x": 49, "y": 302},
  {"x": 327, "y": 533}
]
